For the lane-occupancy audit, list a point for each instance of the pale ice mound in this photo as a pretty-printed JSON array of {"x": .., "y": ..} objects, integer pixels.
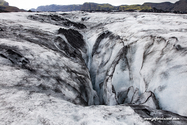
[{"x": 22, "y": 107}]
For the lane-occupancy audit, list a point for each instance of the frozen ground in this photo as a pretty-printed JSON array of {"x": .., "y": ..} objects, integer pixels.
[{"x": 62, "y": 68}]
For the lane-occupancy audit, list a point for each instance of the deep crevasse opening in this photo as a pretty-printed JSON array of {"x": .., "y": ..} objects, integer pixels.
[{"x": 142, "y": 76}]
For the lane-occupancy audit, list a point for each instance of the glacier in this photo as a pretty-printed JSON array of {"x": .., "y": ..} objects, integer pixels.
[{"x": 92, "y": 68}]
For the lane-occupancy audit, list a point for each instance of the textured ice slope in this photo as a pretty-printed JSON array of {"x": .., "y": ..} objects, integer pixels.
[
  {"x": 32, "y": 57},
  {"x": 54, "y": 64}
]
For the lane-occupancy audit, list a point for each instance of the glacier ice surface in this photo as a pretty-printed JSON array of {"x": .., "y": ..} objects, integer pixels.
[{"x": 134, "y": 59}]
